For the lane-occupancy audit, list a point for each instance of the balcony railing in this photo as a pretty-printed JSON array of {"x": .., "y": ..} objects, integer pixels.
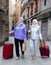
[{"x": 26, "y": 4}]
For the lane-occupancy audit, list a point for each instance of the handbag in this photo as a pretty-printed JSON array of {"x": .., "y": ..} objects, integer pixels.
[
  {"x": 42, "y": 44},
  {"x": 24, "y": 46}
]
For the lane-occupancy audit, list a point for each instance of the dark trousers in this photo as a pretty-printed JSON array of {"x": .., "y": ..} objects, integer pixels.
[{"x": 17, "y": 41}]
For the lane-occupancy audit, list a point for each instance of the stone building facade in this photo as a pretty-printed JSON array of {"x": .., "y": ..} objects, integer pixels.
[
  {"x": 17, "y": 12},
  {"x": 41, "y": 10},
  {"x": 4, "y": 20},
  {"x": 11, "y": 13}
]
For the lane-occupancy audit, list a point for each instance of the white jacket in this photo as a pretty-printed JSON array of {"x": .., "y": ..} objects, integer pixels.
[{"x": 35, "y": 32}]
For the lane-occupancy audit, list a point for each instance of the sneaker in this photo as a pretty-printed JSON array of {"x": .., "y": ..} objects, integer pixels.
[
  {"x": 22, "y": 57},
  {"x": 16, "y": 58}
]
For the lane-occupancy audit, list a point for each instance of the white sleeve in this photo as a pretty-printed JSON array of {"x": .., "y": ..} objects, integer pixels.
[
  {"x": 40, "y": 35},
  {"x": 29, "y": 29}
]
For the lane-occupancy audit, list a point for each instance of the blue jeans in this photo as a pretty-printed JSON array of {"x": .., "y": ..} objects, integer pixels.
[{"x": 34, "y": 44}]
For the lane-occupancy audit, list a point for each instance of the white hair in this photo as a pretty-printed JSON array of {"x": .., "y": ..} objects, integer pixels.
[{"x": 21, "y": 18}]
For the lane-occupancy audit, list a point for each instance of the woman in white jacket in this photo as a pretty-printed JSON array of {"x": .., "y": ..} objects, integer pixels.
[{"x": 35, "y": 36}]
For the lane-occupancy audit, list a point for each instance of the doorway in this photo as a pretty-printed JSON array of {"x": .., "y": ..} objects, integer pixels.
[{"x": 44, "y": 29}]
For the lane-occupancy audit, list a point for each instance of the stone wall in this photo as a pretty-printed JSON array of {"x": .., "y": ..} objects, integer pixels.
[
  {"x": 49, "y": 28},
  {"x": 43, "y": 7},
  {"x": 4, "y": 21}
]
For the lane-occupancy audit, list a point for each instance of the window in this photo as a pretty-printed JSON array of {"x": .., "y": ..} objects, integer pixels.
[
  {"x": 31, "y": 9},
  {"x": 44, "y": 2},
  {"x": 28, "y": 12},
  {"x": 31, "y": 12},
  {"x": 7, "y": 12},
  {"x": 36, "y": 9}
]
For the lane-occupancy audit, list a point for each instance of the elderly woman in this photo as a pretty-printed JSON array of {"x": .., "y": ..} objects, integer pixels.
[
  {"x": 19, "y": 36},
  {"x": 35, "y": 36}
]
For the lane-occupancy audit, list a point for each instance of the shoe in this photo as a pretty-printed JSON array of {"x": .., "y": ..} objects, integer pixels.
[
  {"x": 35, "y": 56},
  {"x": 32, "y": 57},
  {"x": 22, "y": 57},
  {"x": 16, "y": 58}
]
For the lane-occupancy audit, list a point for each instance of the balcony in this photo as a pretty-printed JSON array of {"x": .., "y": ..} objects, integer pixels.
[
  {"x": 24, "y": 6},
  {"x": 31, "y": 13},
  {"x": 29, "y": 1},
  {"x": 44, "y": 14},
  {"x": 36, "y": 10}
]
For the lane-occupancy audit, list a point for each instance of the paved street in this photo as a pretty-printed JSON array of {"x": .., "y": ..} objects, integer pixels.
[{"x": 26, "y": 61}]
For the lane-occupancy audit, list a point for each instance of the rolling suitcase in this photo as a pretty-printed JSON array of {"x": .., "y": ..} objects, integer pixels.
[
  {"x": 44, "y": 51},
  {"x": 7, "y": 51}
]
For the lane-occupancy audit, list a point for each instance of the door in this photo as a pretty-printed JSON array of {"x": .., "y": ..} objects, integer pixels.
[{"x": 44, "y": 29}]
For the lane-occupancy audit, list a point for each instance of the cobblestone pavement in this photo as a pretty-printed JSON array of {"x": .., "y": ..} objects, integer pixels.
[{"x": 26, "y": 61}]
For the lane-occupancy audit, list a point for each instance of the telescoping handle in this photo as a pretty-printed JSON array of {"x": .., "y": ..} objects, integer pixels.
[{"x": 11, "y": 39}]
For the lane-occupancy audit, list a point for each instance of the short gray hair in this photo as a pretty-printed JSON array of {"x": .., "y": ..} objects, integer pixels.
[{"x": 21, "y": 18}]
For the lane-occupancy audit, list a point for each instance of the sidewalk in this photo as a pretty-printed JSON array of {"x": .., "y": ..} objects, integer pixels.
[{"x": 26, "y": 61}]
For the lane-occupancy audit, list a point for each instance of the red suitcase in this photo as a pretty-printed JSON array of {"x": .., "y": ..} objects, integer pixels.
[
  {"x": 44, "y": 51},
  {"x": 7, "y": 51}
]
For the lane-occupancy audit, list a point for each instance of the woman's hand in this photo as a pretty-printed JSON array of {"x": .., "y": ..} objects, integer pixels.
[
  {"x": 29, "y": 31},
  {"x": 11, "y": 33}
]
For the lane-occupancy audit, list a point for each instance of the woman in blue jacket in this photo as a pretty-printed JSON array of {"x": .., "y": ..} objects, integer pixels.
[
  {"x": 35, "y": 36},
  {"x": 19, "y": 36}
]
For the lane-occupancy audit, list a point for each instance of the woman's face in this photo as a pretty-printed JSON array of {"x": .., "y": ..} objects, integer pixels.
[
  {"x": 20, "y": 20},
  {"x": 34, "y": 22}
]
